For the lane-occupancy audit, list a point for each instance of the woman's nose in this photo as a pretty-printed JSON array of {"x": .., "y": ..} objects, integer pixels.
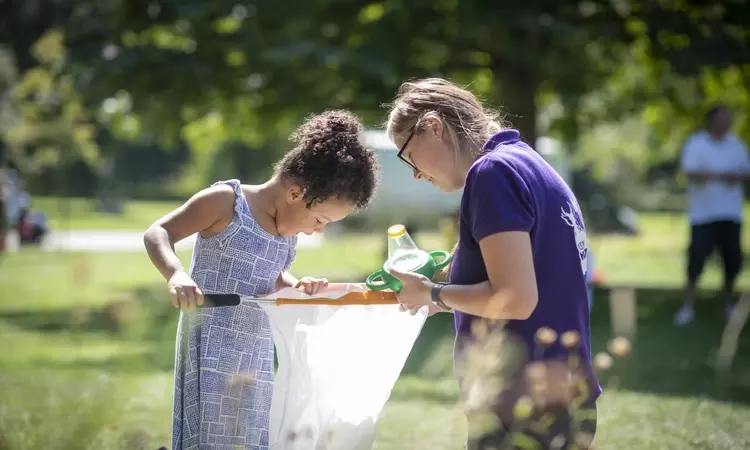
[{"x": 417, "y": 174}]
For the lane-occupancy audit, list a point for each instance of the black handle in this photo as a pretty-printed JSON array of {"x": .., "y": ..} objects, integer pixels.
[{"x": 216, "y": 300}]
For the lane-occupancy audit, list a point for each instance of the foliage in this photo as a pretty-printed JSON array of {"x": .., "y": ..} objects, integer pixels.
[
  {"x": 8, "y": 77},
  {"x": 257, "y": 64},
  {"x": 50, "y": 121},
  {"x": 221, "y": 76}
]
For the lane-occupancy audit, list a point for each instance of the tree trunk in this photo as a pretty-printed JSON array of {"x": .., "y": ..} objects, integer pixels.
[
  {"x": 516, "y": 95},
  {"x": 3, "y": 219}
]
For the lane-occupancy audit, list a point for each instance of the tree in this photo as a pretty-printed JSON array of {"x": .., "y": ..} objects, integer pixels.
[
  {"x": 686, "y": 56},
  {"x": 693, "y": 35},
  {"x": 182, "y": 60},
  {"x": 45, "y": 121},
  {"x": 245, "y": 72},
  {"x": 49, "y": 115},
  {"x": 7, "y": 80}
]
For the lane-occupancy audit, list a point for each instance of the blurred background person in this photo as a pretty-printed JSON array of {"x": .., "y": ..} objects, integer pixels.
[{"x": 716, "y": 164}]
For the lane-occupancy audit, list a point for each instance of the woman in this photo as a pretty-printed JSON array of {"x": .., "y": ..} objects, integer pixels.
[{"x": 520, "y": 262}]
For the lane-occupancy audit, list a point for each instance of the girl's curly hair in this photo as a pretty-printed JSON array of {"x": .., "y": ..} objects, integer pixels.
[{"x": 330, "y": 160}]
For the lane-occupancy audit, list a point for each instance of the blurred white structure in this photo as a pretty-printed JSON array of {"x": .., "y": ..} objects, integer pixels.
[{"x": 399, "y": 194}]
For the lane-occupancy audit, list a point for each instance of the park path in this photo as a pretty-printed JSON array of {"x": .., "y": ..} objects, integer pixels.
[{"x": 120, "y": 241}]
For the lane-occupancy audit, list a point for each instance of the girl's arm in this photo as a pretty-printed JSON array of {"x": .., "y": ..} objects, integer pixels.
[
  {"x": 208, "y": 212},
  {"x": 511, "y": 291}
]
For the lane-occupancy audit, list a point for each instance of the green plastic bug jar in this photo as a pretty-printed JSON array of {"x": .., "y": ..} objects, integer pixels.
[{"x": 403, "y": 255}]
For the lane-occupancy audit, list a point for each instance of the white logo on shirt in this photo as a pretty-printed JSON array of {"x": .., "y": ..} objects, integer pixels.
[{"x": 573, "y": 218}]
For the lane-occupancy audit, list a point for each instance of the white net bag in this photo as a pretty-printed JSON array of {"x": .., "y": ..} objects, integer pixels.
[{"x": 337, "y": 367}]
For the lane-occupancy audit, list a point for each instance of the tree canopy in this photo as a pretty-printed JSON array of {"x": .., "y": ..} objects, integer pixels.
[{"x": 222, "y": 72}]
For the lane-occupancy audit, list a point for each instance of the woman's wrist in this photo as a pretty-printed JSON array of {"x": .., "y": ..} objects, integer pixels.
[{"x": 436, "y": 298}]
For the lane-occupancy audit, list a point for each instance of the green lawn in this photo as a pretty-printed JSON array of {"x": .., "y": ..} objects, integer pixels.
[
  {"x": 657, "y": 257},
  {"x": 88, "y": 345},
  {"x": 81, "y": 214}
]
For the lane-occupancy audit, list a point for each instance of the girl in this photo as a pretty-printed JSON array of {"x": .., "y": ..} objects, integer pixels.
[
  {"x": 520, "y": 259},
  {"x": 224, "y": 361}
]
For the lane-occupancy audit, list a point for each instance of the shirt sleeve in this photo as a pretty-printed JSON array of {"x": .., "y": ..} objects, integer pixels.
[
  {"x": 689, "y": 162},
  {"x": 499, "y": 199}
]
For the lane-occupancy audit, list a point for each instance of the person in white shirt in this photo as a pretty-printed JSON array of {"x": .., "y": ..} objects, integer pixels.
[{"x": 716, "y": 164}]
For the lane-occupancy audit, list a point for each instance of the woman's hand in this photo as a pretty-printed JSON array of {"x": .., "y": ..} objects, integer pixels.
[
  {"x": 310, "y": 285},
  {"x": 416, "y": 291},
  {"x": 184, "y": 292}
]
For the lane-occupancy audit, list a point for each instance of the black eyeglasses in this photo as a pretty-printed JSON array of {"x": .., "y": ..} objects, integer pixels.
[{"x": 403, "y": 147}]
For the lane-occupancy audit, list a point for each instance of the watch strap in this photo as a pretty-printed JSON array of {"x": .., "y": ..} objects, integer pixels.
[{"x": 435, "y": 296}]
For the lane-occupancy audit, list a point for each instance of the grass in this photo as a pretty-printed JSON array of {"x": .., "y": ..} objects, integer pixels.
[
  {"x": 81, "y": 214},
  {"x": 88, "y": 343},
  {"x": 657, "y": 257}
]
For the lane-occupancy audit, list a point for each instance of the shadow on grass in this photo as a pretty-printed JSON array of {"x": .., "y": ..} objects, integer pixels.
[
  {"x": 676, "y": 360},
  {"x": 144, "y": 363},
  {"x": 60, "y": 320}
]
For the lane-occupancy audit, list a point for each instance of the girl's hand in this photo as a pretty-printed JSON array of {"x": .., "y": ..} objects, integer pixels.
[
  {"x": 184, "y": 292},
  {"x": 310, "y": 285},
  {"x": 416, "y": 291}
]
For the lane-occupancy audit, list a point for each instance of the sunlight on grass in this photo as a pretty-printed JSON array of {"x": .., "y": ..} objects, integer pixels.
[
  {"x": 657, "y": 422},
  {"x": 74, "y": 410},
  {"x": 657, "y": 256},
  {"x": 434, "y": 402},
  {"x": 57, "y": 412},
  {"x": 81, "y": 214}
]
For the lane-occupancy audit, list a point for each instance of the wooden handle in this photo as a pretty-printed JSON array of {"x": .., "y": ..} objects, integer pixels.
[{"x": 352, "y": 298}]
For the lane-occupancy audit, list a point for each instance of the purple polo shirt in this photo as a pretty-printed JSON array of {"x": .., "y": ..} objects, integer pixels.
[{"x": 512, "y": 188}]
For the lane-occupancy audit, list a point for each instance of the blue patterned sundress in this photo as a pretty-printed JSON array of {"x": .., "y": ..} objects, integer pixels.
[{"x": 224, "y": 362}]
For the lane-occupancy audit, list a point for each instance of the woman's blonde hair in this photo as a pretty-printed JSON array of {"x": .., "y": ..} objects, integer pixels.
[{"x": 467, "y": 122}]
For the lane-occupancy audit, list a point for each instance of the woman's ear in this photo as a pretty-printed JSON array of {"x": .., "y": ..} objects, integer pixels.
[{"x": 434, "y": 124}]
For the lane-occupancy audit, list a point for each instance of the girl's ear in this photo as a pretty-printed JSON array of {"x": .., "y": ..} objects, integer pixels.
[{"x": 294, "y": 194}]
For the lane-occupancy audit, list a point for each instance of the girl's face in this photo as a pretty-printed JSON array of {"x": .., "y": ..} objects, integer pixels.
[
  {"x": 431, "y": 156},
  {"x": 294, "y": 217}
]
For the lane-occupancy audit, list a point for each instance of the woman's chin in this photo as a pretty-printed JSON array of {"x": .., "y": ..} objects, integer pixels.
[{"x": 447, "y": 189}]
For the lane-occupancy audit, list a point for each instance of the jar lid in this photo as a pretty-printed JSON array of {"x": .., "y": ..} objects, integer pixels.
[{"x": 395, "y": 231}]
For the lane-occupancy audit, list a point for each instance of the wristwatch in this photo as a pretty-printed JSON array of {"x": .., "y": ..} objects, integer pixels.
[{"x": 435, "y": 294}]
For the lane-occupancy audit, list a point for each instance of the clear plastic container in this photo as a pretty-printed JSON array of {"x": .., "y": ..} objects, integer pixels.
[{"x": 403, "y": 253}]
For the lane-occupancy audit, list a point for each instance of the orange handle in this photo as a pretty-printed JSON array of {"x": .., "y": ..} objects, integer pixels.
[{"x": 352, "y": 298}]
